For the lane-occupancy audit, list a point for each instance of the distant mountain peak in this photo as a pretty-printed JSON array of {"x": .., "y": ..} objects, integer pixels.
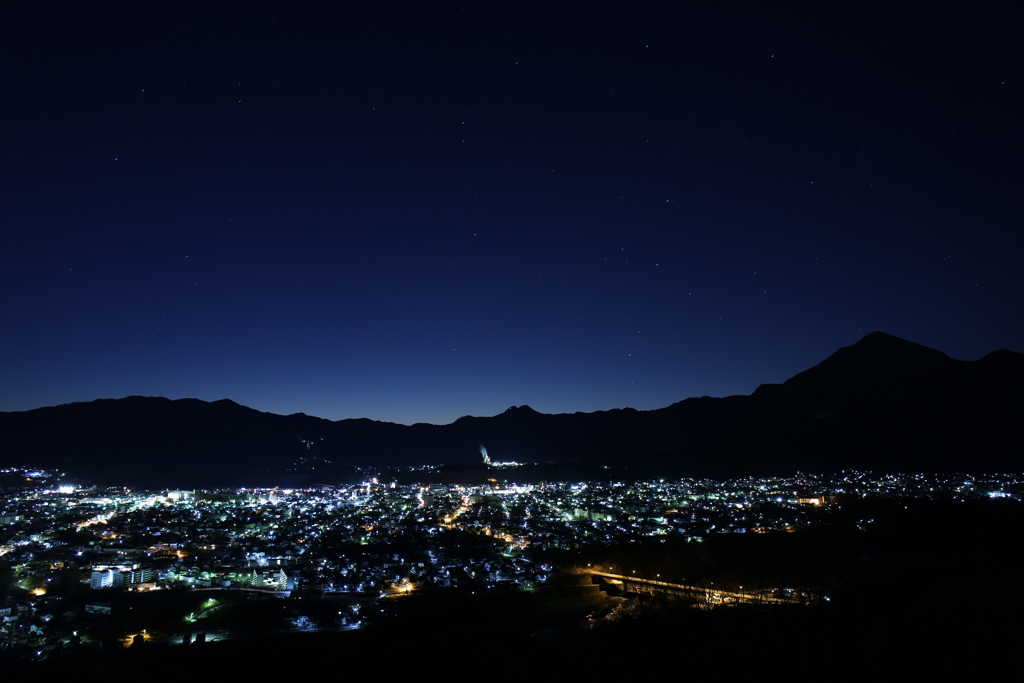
[
  {"x": 877, "y": 355},
  {"x": 879, "y": 336},
  {"x": 1001, "y": 364},
  {"x": 520, "y": 410},
  {"x": 883, "y": 340},
  {"x": 1003, "y": 355},
  {"x": 882, "y": 347}
]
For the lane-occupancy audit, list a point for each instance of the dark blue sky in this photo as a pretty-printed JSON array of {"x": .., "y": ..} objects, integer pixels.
[{"x": 413, "y": 213}]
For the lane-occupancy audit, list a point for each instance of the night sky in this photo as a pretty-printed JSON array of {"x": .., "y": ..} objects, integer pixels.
[{"x": 417, "y": 212}]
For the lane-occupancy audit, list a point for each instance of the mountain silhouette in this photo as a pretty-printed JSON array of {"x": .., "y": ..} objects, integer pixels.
[{"x": 883, "y": 403}]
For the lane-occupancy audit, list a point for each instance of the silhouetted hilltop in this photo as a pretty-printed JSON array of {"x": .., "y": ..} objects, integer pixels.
[
  {"x": 883, "y": 403},
  {"x": 877, "y": 361}
]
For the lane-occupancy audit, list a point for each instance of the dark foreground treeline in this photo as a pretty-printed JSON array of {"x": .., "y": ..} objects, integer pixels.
[{"x": 894, "y": 639}]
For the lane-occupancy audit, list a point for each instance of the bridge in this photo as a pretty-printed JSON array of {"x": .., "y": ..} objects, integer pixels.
[{"x": 707, "y": 595}]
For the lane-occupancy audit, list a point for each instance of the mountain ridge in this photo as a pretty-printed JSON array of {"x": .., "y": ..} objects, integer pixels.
[{"x": 880, "y": 403}]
